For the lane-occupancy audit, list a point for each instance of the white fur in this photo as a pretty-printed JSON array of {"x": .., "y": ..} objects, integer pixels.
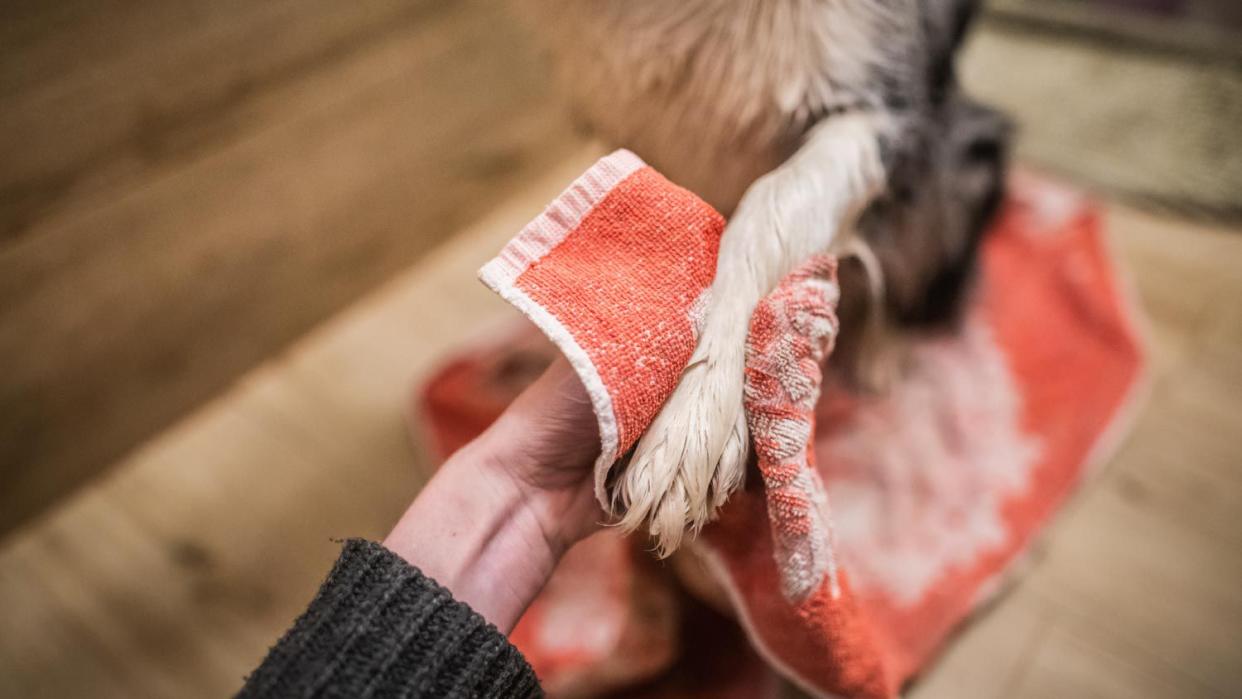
[
  {"x": 716, "y": 93},
  {"x": 693, "y": 455}
]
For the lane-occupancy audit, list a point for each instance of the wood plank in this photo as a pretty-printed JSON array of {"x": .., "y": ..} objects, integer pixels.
[
  {"x": 1152, "y": 128},
  {"x": 171, "y": 576},
  {"x": 1067, "y": 666},
  {"x": 992, "y": 655},
  {"x": 1196, "y": 30},
  {"x": 95, "y": 93},
  {"x": 329, "y": 159}
]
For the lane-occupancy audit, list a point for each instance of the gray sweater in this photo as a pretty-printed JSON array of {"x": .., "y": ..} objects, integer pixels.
[{"x": 380, "y": 628}]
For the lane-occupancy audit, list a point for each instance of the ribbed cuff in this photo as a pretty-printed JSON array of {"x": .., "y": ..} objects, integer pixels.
[{"x": 378, "y": 628}]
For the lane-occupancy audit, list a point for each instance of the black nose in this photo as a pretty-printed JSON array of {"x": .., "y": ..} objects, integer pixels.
[
  {"x": 984, "y": 150},
  {"x": 981, "y": 133}
]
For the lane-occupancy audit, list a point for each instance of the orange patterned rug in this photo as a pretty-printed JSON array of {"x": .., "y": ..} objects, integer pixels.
[{"x": 841, "y": 568}]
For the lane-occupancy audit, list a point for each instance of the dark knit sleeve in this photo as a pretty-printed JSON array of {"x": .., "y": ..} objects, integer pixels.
[{"x": 380, "y": 628}]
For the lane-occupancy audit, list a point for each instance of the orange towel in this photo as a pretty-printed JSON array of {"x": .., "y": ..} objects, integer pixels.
[{"x": 881, "y": 521}]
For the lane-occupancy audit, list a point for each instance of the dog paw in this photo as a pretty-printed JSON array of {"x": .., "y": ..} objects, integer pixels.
[{"x": 693, "y": 455}]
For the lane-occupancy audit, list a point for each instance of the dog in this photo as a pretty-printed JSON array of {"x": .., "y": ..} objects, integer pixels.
[{"x": 815, "y": 126}]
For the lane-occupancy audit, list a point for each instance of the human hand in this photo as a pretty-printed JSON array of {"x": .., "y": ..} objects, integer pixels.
[
  {"x": 546, "y": 442},
  {"x": 498, "y": 515}
]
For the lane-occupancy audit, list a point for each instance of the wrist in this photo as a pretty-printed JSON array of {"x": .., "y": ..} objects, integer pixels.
[
  {"x": 497, "y": 517},
  {"x": 478, "y": 532},
  {"x": 558, "y": 499}
]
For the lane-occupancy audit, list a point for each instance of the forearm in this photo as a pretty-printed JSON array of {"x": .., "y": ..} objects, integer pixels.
[{"x": 489, "y": 527}]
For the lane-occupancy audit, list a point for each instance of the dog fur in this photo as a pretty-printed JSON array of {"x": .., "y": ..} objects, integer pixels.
[{"x": 816, "y": 125}]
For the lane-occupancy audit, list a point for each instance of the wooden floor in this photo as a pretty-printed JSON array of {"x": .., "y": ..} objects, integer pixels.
[
  {"x": 187, "y": 186},
  {"x": 172, "y": 575}
]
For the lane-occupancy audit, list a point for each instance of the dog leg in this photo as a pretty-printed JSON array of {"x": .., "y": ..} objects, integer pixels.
[{"x": 693, "y": 456}]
